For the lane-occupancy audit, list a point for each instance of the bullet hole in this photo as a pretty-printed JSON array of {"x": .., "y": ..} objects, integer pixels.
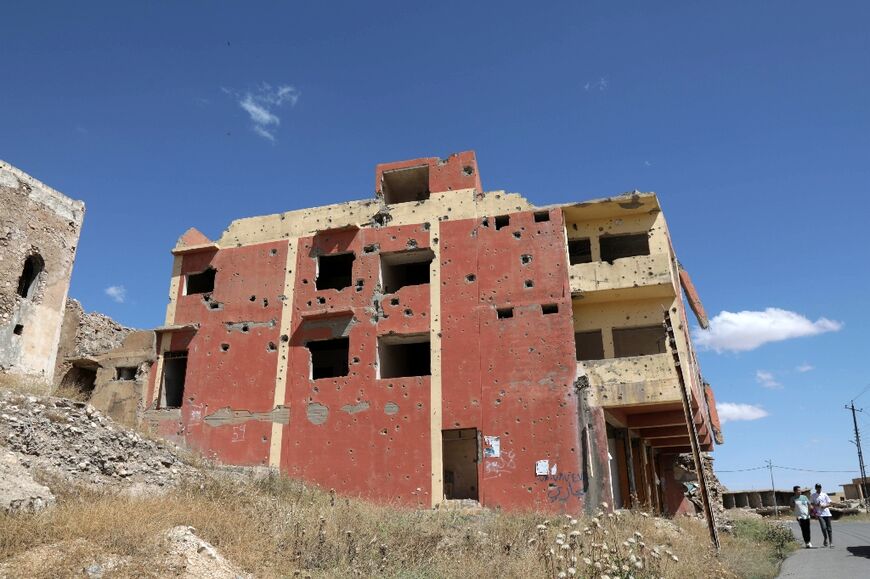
[
  {"x": 355, "y": 360},
  {"x": 271, "y": 347},
  {"x": 305, "y": 281},
  {"x": 225, "y": 347},
  {"x": 528, "y": 284},
  {"x": 321, "y": 300},
  {"x": 370, "y": 248},
  {"x": 485, "y": 222},
  {"x": 541, "y": 216},
  {"x": 517, "y": 234},
  {"x": 214, "y": 305},
  {"x": 394, "y": 301},
  {"x": 253, "y": 298},
  {"x": 265, "y": 303},
  {"x": 427, "y": 226},
  {"x": 468, "y": 170},
  {"x": 359, "y": 285},
  {"x": 309, "y": 303},
  {"x": 502, "y": 221},
  {"x": 384, "y": 431},
  {"x": 412, "y": 244},
  {"x": 285, "y": 338},
  {"x": 504, "y": 313},
  {"x": 273, "y": 252},
  {"x": 547, "y": 309},
  {"x": 246, "y": 328},
  {"x": 526, "y": 259},
  {"x": 408, "y": 312},
  {"x": 470, "y": 278}
]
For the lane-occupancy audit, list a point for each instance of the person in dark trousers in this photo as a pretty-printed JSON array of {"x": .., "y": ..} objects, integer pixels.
[
  {"x": 821, "y": 503},
  {"x": 802, "y": 514}
]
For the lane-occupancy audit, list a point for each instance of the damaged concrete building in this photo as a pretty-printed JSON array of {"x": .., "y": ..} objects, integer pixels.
[
  {"x": 440, "y": 342},
  {"x": 39, "y": 232}
]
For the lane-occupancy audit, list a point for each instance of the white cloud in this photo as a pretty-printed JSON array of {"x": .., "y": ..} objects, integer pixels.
[
  {"x": 747, "y": 330},
  {"x": 805, "y": 367},
  {"x": 732, "y": 412},
  {"x": 117, "y": 292},
  {"x": 599, "y": 85},
  {"x": 767, "y": 380},
  {"x": 261, "y": 104}
]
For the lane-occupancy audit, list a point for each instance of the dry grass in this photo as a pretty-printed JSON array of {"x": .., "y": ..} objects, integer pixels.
[
  {"x": 21, "y": 384},
  {"x": 275, "y": 526}
]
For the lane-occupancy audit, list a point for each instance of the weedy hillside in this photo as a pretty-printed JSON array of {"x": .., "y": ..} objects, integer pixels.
[{"x": 126, "y": 519}]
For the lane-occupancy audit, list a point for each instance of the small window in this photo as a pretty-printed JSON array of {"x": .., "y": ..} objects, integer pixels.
[
  {"x": 200, "y": 283},
  {"x": 33, "y": 266},
  {"x": 404, "y": 268},
  {"x": 174, "y": 375},
  {"x": 504, "y": 313},
  {"x": 125, "y": 373},
  {"x": 404, "y": 356},
  {"x": 404, "y": 185},
  {"x": 548, "y": 309},
  {"x": 589, "y": 345},
  {"x": 643, "y": 341},
  {"x": 502, "y": 221},
  {"x": 579, "y": 251},
  {"x": 541, "y": 216},
  {"x": 618, "y": 246},
  {"x": 334, "y": 271},
  {"x": 329, "y": 358}
]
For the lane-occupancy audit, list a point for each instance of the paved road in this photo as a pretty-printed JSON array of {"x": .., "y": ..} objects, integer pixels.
[{"x": 850, "y": 558}]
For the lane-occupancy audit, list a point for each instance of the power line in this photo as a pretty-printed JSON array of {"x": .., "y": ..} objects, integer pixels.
[
  {"x": 862, "y": 393},
  {"x": 742, "y": 469},
  {"x": 786, "y": 468}
]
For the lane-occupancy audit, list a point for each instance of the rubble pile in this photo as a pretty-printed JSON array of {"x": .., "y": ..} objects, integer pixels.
[
  {"x": 95, "y": 333},
  {"x": 74, "y": 441}
]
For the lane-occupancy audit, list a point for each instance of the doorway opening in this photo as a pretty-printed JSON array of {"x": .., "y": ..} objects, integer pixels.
[{"x": 460, "y": 448}]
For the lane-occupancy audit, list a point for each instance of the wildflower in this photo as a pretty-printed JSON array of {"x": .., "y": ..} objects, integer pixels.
[
  {"x": 587, "y": 560},
  {"x": 604, "y": 505},
  {"x": 541, "y": 527},
  {"x": 625, "y": 544},
  {"x": 638, "y": 564},
  {"x": 574, "y": 534},
  {"x": 565, "y": 547},
  {"x": 645, "y": 515},
  {"x": 560, "y": 536},
  {"x": 638, "y": 535},
  {"x": 573, "y": 521},
  {"x": 562, "y": 575},
  {"x": 572, "y": 571}
]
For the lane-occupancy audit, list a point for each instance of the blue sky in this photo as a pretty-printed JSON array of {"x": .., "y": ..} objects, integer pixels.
[{"x": 750, "y": 121}]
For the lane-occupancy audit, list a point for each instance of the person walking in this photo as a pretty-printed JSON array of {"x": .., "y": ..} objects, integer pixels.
[
  {"x": 802, "y": 514},
  {"x": 821, "y": 503}
]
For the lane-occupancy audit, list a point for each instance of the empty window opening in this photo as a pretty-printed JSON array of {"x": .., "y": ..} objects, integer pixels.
[
  {"x": 579, "y": 251},
  {"x": 174, "y": 374},
  {"x": 80, "y": 379},
  {"x": 619, "y": 246},
  {"x": 18, "y": 330},
  {"x": 589, "y": 345},
  {"x": 504, "y": 313},
  {"x": 502, "y": 221},
  {"x": 404, "y": 185},
  {"x": 329, "y": 358},
  {"x": 643, "y": 341},
  {"x": 125, "y": 373},
  {"x": 404, "y": 356},
  {"x": 547, "y": 309},
  {"x": 404, "y": 268},
  {"x": 334, "y": 271},
  {"x": 33, "y": 266},
  {"x": 200, "y": 283},
  {"x": 460, "y": 451},
  {"x": 541, "y": 216}
]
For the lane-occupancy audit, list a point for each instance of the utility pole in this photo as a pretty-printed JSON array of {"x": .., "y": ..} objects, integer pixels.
[
  {"x": 863, "y": 485},
  {"x": 773, "y": 488}
]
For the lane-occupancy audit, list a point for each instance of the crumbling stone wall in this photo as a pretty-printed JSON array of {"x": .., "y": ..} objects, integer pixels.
[
  {"x": 39, "y": 231},
  {"x": 85, "y": 335},
  {"x": 110, "y": 363}
]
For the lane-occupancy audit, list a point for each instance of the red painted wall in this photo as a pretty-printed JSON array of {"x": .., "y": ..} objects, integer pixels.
[
  {"x": 370, "y": 453},
  {"x": 512, "y": 378}
]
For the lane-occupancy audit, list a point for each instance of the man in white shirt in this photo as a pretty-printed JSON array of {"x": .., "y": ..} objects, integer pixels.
[
  {"x": 821, "y": 503},
  {"x": 802, "y": 514}
]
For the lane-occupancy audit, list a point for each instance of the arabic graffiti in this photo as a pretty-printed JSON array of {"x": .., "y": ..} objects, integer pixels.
[{"x": 564, "y": 486}]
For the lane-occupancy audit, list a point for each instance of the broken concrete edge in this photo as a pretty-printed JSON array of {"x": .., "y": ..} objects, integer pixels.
[{"x": 71, "y": 209}]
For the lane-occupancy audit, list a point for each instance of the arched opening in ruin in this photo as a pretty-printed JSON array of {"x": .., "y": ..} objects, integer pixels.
[
  {"x": 33, "y": 266},
  {"x": 79, "y": 379}
]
